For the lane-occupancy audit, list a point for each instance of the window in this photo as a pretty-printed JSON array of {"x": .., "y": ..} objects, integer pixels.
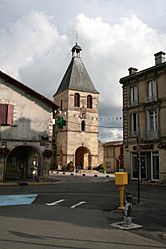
[
  {"x": 152, "y": 125},
  {"x": 6, "y": 114},
  {"x": 109, "y": 151},
  {"x": 89, "y": 101},
  {"x": 133, "y": 123},
  {"x": 83, "y": 125},
  {"x": 152, "y": 95},
  {"x": 155, "y": 165},
  {"x": 133, "y": 95},
  {"x": 121, "y": 150},
  {"x": 77, "y": 100},
  {"x": 153, "y": 120}
]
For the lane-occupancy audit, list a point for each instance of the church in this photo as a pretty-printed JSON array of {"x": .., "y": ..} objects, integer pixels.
[
  {"x": 31, "y": 138},
  {"x": 78, "y": 99}
]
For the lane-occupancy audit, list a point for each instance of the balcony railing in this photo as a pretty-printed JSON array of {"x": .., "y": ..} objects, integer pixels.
[
  {"x": 151, "y": 98},
  {"x": 151, "y": 134},
  {"x": 133, "y": 103},
  {"x": 133, "y": 133}
]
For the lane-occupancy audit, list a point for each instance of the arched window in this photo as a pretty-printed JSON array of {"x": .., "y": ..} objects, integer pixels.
[
  {"x": 83, "y": 125},
  {"x": 89, "y": 101},
  {"x": 77, "y": 100}
]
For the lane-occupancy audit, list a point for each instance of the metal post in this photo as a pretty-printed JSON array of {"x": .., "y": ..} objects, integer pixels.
[
  {"x": 139, "y": 160},
  {"x": 121, "y": 191},
  {"x": 54, "y": 142},
  {"x": 139, "y": 174}
]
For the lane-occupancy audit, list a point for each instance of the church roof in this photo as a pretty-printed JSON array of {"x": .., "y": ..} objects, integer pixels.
[{"x": 76, "y": 76}]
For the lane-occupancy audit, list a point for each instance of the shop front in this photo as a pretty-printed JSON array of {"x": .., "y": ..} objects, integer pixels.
[{"x": 149, "y": 165}]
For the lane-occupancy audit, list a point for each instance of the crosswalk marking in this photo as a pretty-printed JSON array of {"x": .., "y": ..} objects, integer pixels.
[
  {"x": 55, "y": 202},
  {"x": 78, "y": 204}
]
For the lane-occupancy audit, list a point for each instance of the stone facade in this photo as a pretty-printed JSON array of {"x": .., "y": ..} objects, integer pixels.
[
  {"x": 26, "y": 139},
  {"x": 71, "y": 141},
  {"x": 144, "y": 112},
  {"x": 78, "y": 140}
]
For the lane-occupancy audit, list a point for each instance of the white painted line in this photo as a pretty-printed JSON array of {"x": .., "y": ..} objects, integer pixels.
[
  {"x": 55, "y": 202},
  {"x": 78, "y": 204}
]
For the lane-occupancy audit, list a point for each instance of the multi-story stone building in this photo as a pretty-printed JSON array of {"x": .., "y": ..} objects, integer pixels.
[
  {"x": 144, "y": 114},
  {"x": 26, "y": 130},
  {"x": 78, "y": 101}
]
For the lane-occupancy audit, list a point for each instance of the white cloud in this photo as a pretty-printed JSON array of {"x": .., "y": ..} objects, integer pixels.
[
  {"x": 33, "y": 50},
  {"x": 26, "y": 40},
  {"x": 112, "y": 49}
]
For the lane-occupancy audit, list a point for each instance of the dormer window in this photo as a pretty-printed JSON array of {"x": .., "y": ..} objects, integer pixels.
[
  {"x": 89, "y": 101},
  {"x": 77, "y": 100}
]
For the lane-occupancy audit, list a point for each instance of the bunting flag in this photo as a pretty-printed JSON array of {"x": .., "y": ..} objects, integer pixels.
[{"x": 109, "y": 118}]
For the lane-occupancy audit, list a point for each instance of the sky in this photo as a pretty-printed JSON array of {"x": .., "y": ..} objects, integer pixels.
[{"x": 36, "y": 37}]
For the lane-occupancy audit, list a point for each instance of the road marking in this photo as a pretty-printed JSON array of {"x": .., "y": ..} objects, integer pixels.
[
  {"x": 55, "y": 202},
  {"x": 78, "y": 204},
  {"x": 12, "y": 200}
]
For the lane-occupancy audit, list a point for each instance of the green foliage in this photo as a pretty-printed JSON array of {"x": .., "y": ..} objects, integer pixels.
[
  {"x": 101, "y": 168},
  {"x": 70, "y": 167}
]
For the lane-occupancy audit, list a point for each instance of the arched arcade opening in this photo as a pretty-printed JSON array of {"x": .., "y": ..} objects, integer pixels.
[
  {"x": 21, "y": 161},
  {"x": 83, "y": 158}
]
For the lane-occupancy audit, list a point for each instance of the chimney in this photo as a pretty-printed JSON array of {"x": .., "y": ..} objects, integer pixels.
[
  {"x": 132, "y": 70},
  {"x": 159, "y": 57}
]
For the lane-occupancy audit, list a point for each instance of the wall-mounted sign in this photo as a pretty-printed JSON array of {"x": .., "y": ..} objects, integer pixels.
[
  {"x": 162, "y": 146},
  {"x": 144, "y": 147},
  {"x": 121, "y": 157}
]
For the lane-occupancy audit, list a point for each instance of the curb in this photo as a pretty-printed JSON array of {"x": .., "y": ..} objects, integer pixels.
[{"x": 82, "y": 174}]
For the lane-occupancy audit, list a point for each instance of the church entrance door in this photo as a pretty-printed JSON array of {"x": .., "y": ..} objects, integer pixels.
[{"x": 82, "y": 158}]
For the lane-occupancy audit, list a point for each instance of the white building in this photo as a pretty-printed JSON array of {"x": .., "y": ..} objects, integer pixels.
[{"x": 25, "y": 130}]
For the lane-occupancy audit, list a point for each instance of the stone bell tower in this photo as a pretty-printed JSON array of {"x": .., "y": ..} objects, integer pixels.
[{"x": 78, "y": 101}]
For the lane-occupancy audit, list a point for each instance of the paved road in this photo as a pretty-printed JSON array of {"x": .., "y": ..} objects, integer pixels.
[{"x": 84, "y": 226}]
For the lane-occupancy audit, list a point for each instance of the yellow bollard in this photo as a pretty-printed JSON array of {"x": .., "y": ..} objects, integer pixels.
[
  {"x": 121, "y": 191},
  {"x": 121, "y": 179}
]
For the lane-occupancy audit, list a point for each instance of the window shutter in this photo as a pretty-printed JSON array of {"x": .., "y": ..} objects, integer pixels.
[
  {"x": 149, "y": 88},
  {"x": 135, "y": 93},
  {"x": 131, "y": 95},
  {"x": 3, "y": 114},
  {"x": 154, "y": 88},
  {"x": 10, "y": 115}
]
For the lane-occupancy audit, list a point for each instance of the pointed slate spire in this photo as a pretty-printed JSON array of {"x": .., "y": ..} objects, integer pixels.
[{"x": 76, "y": 76}]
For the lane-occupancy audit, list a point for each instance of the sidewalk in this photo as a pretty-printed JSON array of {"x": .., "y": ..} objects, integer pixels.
[{"x": 149, "y": 213}]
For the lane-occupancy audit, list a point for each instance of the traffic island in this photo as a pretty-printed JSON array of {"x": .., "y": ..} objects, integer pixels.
[
  {"x": 124, "y": 226},
  {"x": 121, "y": 180}
]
